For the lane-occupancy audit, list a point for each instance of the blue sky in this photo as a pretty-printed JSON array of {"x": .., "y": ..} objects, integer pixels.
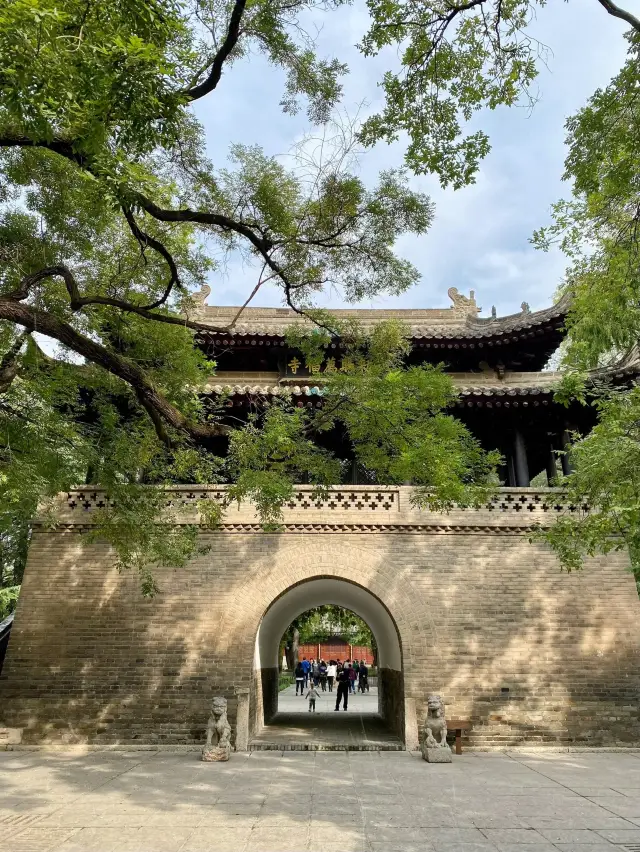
[{"x": 480, "y": 237}]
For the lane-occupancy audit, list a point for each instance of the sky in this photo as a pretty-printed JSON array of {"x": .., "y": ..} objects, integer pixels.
[{"x": 480, "y": 236}]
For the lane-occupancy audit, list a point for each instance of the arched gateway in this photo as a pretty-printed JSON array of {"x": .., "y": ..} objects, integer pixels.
[
  {"x": 332, "y": 588},
  {"x": 461, "y": 603}
]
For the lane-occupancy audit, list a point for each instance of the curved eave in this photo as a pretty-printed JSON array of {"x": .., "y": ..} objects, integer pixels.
[
  {"x": 423, "y": 340},
  {"x": 310, "y": 396},
  {"x": 500, "y": 331}
]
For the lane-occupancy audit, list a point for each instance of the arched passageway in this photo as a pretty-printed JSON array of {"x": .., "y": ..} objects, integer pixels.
[{"x": 385, "y": 726}]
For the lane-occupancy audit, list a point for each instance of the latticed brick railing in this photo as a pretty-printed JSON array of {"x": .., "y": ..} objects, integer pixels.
[{"x": 362, "y": 506}]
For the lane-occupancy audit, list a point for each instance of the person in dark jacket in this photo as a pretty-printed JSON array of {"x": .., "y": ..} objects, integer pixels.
[
  {"x": 363, "y": 683},
  {"x": 323, "y": 675},
  {"x": 299, "y": 673},
  {"x": 343, "y": 688}
]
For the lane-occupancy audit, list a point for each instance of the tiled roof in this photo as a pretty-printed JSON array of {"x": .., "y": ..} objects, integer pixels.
[
  {"x": 459, "y": 321},
  {"x": 532, "y": 384}
]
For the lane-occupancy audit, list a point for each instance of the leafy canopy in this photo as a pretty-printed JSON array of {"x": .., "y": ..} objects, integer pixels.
[{"x": 111, "y": 216}]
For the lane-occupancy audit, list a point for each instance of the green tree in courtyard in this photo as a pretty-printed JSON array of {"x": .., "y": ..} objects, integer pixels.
[
  {"x": 461, "y": 57},
  {"x": 112, "y": 215},
  {"x": 321, "y": 623}
]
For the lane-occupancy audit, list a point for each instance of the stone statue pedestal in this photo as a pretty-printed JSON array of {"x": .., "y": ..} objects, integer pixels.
[
  {"x": 216, "y": 753},
  {"x": 439, "y": 754},
  {"x": 434, "y": 743},
  {"x": 218, "y": 745}
]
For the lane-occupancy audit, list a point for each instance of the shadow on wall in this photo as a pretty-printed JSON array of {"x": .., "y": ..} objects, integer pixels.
[
  {"x": 100, "y": 664},
  {"x": 94, "y": 662},
  {"x": 525, "y": 651}
]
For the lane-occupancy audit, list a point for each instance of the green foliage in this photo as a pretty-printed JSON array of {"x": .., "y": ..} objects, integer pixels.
[
  {"x": 111, "y": 215},
  {"x": 323, "y": 622},
  {"x": 8, "y": 600},
  {"x": 456, "y": 59},
  {"x": 607, "y": 481},
  {"x": 393, "y": 414},
  {"x": 598, "y": 230}
]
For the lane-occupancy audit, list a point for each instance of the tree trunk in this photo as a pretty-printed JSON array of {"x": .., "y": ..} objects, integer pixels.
[
  {"x": 291, "y": 647},
  {"x": 295, "y": 642}
]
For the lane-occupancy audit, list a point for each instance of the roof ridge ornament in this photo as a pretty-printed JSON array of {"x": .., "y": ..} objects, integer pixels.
[
  {"x": 463, "y": 304},
  {"x": 200, "y": 297}
]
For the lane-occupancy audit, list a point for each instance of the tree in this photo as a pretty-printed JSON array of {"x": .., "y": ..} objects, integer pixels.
[
  {"x": 598, "y": 230},
  {"x": 461, "y": 57},
  {"x": 112, "y": 216},
  {"x": 320, "y": 623}
]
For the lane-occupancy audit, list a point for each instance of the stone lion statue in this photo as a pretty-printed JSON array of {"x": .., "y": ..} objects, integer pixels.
[
  {"x": 434, "y": 744},
  {"x": 218, "y": 745}
]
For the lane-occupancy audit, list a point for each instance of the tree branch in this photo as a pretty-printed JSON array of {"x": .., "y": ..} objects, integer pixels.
[
  {"x": 58, "y": 145},
  {"x": 78, "y": 302},
  {"x": 261, "y": 244},
  {"x": 29, "y": 281},
  {"x": 147, "y": 240},
  {"x": 34, "y": 319},
  {"x": 233, "y": 34},
  {"x": 617, "y": 12},
  {"x": 65, "y": 149},
  {"x": 261, "y": 281},
  {"x": 9, "y": 362}
]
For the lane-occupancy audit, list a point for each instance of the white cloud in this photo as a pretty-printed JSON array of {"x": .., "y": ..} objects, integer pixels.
[{"x": 480, "y": 236}]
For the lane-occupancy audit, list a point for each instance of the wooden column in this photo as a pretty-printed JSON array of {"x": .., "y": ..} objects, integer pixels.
[
  {"x": 520, "y": 463},
  {"x": 567, "y": 467},
  {"x": 552, "y": 468}
]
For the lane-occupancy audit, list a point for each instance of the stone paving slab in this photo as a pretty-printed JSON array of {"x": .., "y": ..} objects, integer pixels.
[
  {"x": 325, "y": 802},
  {"x": 359, "y": 728}
]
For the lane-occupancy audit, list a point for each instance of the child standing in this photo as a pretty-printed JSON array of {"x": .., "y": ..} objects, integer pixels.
[{"x": 312, "y": 694}]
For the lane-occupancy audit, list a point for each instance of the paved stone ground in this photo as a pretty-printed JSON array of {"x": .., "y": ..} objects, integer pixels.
[
  {"x": 359, "y": 727},
  {"x": 329, "y": 802},
  {"x": 289, "y": 702}
]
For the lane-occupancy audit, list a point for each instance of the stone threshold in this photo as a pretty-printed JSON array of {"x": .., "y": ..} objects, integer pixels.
[
  {"x": 180, "y": 749},
  {"x": 326, "y": 747}
]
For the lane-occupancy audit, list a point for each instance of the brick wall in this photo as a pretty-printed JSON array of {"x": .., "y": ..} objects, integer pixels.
[{"x": 528, "y": 653}]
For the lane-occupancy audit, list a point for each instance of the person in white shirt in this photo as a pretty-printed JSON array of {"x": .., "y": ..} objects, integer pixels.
[{"x": 332, "y": 671}]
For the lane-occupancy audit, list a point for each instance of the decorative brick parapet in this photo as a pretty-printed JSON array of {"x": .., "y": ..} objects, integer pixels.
[{"x": 358, "y": 507}]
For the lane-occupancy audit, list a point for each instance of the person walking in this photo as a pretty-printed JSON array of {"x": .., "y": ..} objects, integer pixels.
[
  {"x": 305, "y": 667},
  {"x": 352, "y": 680},
  {"x": 343, "y": 688},
  {"x": 332, "y": 673},
  {"x": 363, "y": 683},
  {"x": 315, "y": 672},
  {"x": 312, "y": 694},
  {"x": 323, "y": 675},
  {"x": 299, "y": 674}
]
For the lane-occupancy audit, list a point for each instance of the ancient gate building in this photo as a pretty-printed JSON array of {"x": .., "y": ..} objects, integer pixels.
[{"x": 464, "y": 603}]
